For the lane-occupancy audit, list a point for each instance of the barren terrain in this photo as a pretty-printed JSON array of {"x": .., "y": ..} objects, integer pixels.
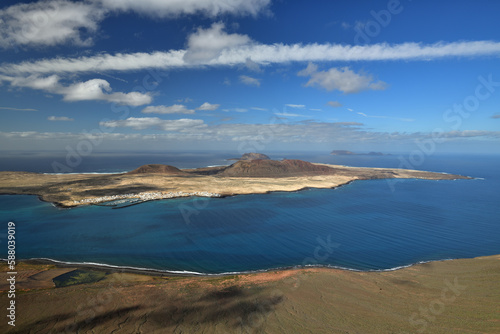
[{"x": 161, "y": 181}]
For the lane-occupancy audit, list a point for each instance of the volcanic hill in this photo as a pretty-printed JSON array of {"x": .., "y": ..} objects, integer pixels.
[
  {"x": 274, "y": 168},
  {"x": 157, "y": 169}
]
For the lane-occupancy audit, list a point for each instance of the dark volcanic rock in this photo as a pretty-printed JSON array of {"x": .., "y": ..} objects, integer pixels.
[
  {"x": 157, "y": 169},
  {"x": 273, "y": 168}
]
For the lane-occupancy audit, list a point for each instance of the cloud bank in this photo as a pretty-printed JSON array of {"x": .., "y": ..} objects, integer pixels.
[
  {"x": 297, "y": 132},
  {"x": 259, "y": 53}
]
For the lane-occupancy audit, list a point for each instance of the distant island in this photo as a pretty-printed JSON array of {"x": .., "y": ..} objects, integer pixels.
[
  {"x": 344, "y": 152},
  {"x": 252, "y": 156},
  {"x": 156, "y": 181}
]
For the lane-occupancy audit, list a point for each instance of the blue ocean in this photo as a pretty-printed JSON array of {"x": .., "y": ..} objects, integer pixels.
[{"x": 365, "y": 225}]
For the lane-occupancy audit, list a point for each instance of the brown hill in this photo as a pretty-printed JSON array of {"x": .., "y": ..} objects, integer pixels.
[
  {"x": 273, "y": 168},
  {"x": 157, "y": 169}
]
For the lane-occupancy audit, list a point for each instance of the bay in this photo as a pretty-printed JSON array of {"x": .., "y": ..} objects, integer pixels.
[{"x": 366, "y": 225}]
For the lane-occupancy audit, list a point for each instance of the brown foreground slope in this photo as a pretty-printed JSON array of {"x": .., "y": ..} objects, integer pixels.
[
  {"x": 151, "y": 182},
  {"x": 457, "y": 296}
]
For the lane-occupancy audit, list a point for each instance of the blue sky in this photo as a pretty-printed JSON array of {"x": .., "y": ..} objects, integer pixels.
[{"x": 250, "y": 75}]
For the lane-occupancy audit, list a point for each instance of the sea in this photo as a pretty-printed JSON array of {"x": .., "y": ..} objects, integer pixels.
[{"x": 370, "y": 225}]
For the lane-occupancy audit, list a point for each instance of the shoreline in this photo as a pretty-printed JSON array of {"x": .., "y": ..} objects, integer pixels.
[{"x": 186, "y": 273}]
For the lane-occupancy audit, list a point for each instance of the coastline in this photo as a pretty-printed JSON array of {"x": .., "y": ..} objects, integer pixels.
[{"x": 186, "y": 273}]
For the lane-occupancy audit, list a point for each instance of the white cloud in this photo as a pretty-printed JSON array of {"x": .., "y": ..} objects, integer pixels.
[
  {"x": 140, "y": 123},
  {"x": 345, "y": 25},
  {"x": 61, "y": 118},
  {"x": 91, "y": 90},
  {"x": 282, "y": 132},
  {"x": 387, "y": 117},
  {"x": 309, "y": 70},
  {"x": 172, "y": 8},
  {"x": 49, "y": 23},
  {"x": 259, "y": 109},
  {"x": 207, "y": 44},
  {"x": 315, "y": 109},
  {"x": 249, "y": 80},
  {"x": 334, "y": 104},
  {"x": 208, "y": 106},
  {"x": 50, "y": 83},
  {"x": 184, "y": 100},
  {"x": 470, "y": 134},
  {"x": 252, "y": 66},
  {"x": 18, "y": 109},
  {"x": 300, "y": 106},
  {"x": 282, "y": 53},
  {"x": 174, "y": 109},
  {"x": 260, "y": 54},
  {"x": 342, "y": 79},
  {"x": 54, "y": 22},
  {"x": 286, "y": 114},
  {"x": 99, "y": 63},
  {"x": 236, "y": 109},
  {"x": 98, "y": 89}
]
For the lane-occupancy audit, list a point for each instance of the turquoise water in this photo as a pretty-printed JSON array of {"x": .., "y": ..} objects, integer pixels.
[{"x": 365, "y": 225}]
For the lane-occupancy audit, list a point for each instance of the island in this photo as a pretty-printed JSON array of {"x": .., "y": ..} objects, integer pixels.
[
  {"x": 345, "y": 152},
  {"x": 252, "y": 156},
  {"x": 155, "y": 181}
]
